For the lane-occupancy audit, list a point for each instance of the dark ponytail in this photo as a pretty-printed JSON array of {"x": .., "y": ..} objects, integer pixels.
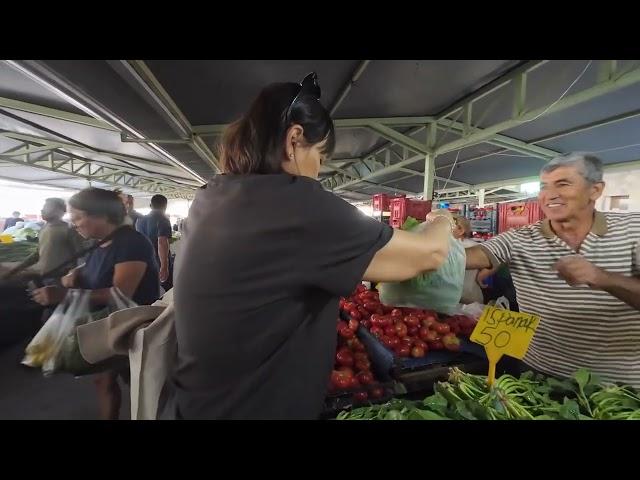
[{"x": 255, "y": 143}]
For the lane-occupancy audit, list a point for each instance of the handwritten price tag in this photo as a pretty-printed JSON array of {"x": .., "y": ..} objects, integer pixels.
[{"x": 503, "y": 332}]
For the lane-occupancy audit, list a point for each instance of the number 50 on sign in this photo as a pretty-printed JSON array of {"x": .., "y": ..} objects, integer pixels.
[{"x": 503, "y": 332}]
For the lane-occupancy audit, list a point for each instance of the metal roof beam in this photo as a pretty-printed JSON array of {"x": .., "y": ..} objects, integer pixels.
[
  {"x": 608, "y": 86},
  {"x": 397, "y": 137},
  {"x": 513, "y": 74},
  {"x": 347, "y": 88},
  {"x": 40, "y": 72},
  {"x": 55, "y": 113},
  {"x": 141, "y": 73}
]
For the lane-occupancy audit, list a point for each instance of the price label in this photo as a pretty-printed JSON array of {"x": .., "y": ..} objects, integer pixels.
[{"x": 503, "y": 332}]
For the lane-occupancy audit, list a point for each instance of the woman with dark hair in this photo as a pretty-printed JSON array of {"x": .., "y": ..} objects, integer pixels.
[
  {"x": 266, "y": 254},
  {"x": 127, "y": 262}
]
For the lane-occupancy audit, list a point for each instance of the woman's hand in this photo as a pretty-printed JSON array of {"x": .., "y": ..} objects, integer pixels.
[
  {"x": 48, "y": 295},
  {"x": 441, "y": 215}
]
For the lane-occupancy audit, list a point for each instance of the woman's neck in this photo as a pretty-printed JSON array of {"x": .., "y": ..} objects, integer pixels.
[{"x": 108, "y": 231}]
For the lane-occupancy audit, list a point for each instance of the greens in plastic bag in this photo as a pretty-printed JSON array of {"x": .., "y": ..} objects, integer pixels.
[
  {"x": 439, "y": 290},
  {"x": 55, "y": 347}
]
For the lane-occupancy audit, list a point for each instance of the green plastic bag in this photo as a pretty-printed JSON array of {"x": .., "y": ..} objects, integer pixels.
[{"x": 439, "y": 290}]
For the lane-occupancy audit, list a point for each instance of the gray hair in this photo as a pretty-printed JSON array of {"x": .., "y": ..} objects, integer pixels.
[
  {"x": 57, "y": 203},
  {"x": 589, "y": 166}
]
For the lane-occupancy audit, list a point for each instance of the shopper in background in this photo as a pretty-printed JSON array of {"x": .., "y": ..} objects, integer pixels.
[
  {"x": 126, "y": 262},
  {"x": 267, "y": 253},
  {"x": 132, "y": 216},
  {"x": 11, "y": 222},
  {"x": 471, "y": 292},
  {"x": 57, "y": 241},
  {"x": 157, "y": 228},
  {"x": 579, "y": 271}
]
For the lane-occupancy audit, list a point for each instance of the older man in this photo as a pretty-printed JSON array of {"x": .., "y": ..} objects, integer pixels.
[
  {"x": 579, "y": 270},
  {"x": 57, "y": 241},
  {"x": 132, "y": 215}
]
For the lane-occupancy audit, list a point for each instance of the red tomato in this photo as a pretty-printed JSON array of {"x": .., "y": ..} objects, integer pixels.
[
  {"x": 360, "y": 356},
  {"x": 406, "y": 341},
  {"x": 346, "y": 332},
  {"x": 401, "y": 329},
  {"x": 428, "y": 322},
  {"x": 354, "y": 313},
  {"x": 436, "y": 345},
  {"x": 360, "y": 397},
  {"x": 395, "y": 341},
  {"x": 420, "y": 343},
  {"x": 359, "y": 346},
  {"x": 341, "y": 324},
  {"x": 346, "y": 371},
  {"x": 340, "y": 379},
  {"x": 361, "y": 288},
  {"x": 366, "y": 324},
  {"x": 377, "y": 331},
  {"x": 353, "y": 324},
  {"x": 365, "y": 377},
  {"x": 386, "y": 341},
  {"x": 344, "y": 358},
  {"x": 364, "y": 312},
  {"x": 423, "y": 333},
  {"x": 341, "y": 302},
  {"x": 396, "y": 313},
  {"x": 417, "y": 352},
  {"x": 354, "y": 383},
  {"x": 363, "y": 365},
  {"x": 390, "y": 331},
  {"x": 386, "y": 320},
  {"x": 403, "y": 351},
  {"x": 412, "y": 331},
  {"x": 432, "y": 336},
  {"x": 451, "y": 342},
  {"x": 375, "y": 319},
  {"x": 442, "y": 328},
  {"x": 412, "y": 321},
  {"x": 372, "y": 307},
  {"x": 376, "y": 392},
  {"x": 349, "y": 306}
]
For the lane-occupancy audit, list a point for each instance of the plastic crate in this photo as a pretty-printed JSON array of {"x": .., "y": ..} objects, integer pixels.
[
  {"x": 402, "y": 208},
  {"x": 336, "y": 402},
  {"x": 518, "y": 214},
  {"x": 381, "y": 201},
  {"x": 389, "y": 366}
]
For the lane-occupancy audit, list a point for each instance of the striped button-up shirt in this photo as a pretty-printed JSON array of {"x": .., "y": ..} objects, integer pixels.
[{"x": 580, "y": 326}]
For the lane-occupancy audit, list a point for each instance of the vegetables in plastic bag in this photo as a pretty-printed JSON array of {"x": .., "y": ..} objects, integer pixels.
[{"x": 439, "y": 290}]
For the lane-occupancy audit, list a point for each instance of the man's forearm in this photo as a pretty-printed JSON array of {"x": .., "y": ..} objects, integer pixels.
[
  {"x": 163, "y": 251},
  {"x": 624, "y": 288},
  {"x": 477, "y": 258},
  {"x": 27, "y": 262}
]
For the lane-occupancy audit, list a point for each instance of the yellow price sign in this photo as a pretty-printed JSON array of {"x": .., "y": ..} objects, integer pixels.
[{"x": 503, "y": 332}]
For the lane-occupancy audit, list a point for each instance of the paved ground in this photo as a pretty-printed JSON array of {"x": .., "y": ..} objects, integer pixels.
[{"x": 26, "y": 395}]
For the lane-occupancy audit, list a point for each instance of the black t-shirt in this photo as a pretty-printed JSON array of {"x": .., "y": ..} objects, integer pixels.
[
  {"x": 127, "y": 246},
  {"x": 154, "y": 225},
  {"x": 263, "y": 262}
]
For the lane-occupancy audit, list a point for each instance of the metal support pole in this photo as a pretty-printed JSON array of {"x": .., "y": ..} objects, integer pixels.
[
  {"x": 429, "y": 173},
  {"x": 481, "y": 198}
]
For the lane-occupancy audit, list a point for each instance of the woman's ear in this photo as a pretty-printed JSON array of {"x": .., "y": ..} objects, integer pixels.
[{"x": 295, "y": 135}]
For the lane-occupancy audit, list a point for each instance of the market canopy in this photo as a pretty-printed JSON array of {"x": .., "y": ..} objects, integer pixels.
[{"x": 476, "y": 125}]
